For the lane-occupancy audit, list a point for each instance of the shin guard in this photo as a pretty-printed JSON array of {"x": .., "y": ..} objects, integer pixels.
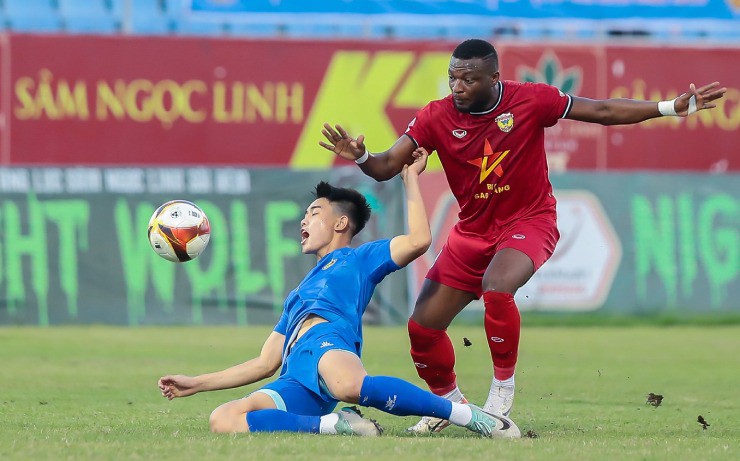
[
  {"x": 434, "y": 357},
  {"x": 503, "y": 325}
]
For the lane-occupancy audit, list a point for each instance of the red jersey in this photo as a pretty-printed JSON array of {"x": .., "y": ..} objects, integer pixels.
[{"x": 494, "y": 161}]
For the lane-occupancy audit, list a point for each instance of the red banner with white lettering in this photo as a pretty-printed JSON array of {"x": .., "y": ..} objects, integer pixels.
[{"x": 193, "y": 101}]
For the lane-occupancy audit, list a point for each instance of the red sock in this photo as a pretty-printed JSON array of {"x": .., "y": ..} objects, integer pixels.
[
  {"x": 503, "y": 324},
  {"x": 434, "y": 357}
]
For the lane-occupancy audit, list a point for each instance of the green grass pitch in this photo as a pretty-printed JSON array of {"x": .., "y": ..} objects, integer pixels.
[{"x": 89, "y": 393}]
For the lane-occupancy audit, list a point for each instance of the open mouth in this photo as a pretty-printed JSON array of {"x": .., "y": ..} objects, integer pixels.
[{"x": 304, "y": 236}]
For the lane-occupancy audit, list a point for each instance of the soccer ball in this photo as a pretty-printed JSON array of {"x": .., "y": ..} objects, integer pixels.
[{"x": 179, "y": 231}]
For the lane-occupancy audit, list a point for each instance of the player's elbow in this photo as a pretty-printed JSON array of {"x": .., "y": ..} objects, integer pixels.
[
  {"x": 268, "y": 367},
  {"x": 272, "y": 370},
  {"x": 382, "y": 176},
  {"x": 383, "y": 170},
  {"x": 406, "y": 248},
  {"x": 420, "y": 243}
]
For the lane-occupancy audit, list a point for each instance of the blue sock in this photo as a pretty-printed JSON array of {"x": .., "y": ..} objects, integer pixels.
[
  {"x": 401, "y": 398},
  {"x": 281, "y": 421}
]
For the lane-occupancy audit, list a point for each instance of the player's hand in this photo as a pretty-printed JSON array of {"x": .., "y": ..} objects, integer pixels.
[
  {"x": 341, "y": 143},
  {"x": 177, "y": 386},
  {"x": 703, "y": 98},
  {"x": 418, "y": 165}
]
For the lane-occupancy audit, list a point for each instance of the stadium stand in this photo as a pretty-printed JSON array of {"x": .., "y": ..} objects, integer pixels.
[
  {"x": 367, "y": 19},
  {"x": 92, "y": 16},
  {"x": 32, "y": 16},
  {"x": 145, "y": 17}
]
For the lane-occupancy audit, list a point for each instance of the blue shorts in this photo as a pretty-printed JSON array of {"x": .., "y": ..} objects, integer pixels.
[{"x": 300, "y": 389}]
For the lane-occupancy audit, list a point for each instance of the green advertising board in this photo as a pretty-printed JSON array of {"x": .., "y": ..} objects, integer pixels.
[
  {"x": 679, "y": 237},
  {"x": 74, "y": 247}
]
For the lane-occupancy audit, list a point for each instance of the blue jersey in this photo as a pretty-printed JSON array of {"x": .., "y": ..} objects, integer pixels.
[{"x": 338, "y": 289}]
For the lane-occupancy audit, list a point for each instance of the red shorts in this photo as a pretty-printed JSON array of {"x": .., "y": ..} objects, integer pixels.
[{"x": 465, "y": 258}]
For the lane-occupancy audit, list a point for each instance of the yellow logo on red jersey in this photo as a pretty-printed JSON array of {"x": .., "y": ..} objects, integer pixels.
[{"x": 483, "y": 162}]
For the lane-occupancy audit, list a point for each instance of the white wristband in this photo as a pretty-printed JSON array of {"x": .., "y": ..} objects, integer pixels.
[
  {"x": 692, "y": 105},
  {"x": 667, "y": 107},
  {"x": 364, "y": 157}
]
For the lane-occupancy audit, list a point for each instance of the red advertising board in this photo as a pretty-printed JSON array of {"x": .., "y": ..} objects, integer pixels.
[
  {"x": 189, "y": 101},
  {"x": 709, "y": 140}
]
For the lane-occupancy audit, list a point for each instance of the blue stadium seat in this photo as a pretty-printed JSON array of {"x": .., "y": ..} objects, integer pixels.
[
  {"x": 460, "y": 31},
  {"x": 186, "y": 24},
  {"x": 220, "y": 6},
  {"x": 330, "y": 6},
  {"x": 28, "y": 7},
  {"x": 350, "y": 30},
  {"x": 477, "y": 8},
  {"x": 83, "y": 7},
  {"x": 146, "y": 17},
  {"x": 193, "y": 27},
  {"x": 408, "y": 32},
  {"x": 313, "y": 30},
  {"x": 288, "y": 6},
  {"x": 148, "y": 25},
  {"x": 87, "y": 16},
  {"x": 425, "y": 7},
  {"x": 241, "y": 29},
  {"x": 82, "y": 25},
  {"x": 528, "y": 31},
  {"x": 175, "y": 7},
  {"x": 32, "y": 16},
  {"x": 725, "y": 35},
  {"x": 363, "y": 19},
  {"x": 38, "y": 24}
]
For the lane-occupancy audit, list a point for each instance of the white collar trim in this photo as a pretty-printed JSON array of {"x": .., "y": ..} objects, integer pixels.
[{"x": 500, "y": 97}]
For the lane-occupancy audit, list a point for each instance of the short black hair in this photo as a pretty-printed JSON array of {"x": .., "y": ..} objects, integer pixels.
[
  {"x": 348, "y": 201},
  {"x": 476, "y": 48}
]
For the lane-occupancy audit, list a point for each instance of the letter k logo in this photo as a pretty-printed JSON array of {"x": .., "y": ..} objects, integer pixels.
[{"x": 495, "y": 166}]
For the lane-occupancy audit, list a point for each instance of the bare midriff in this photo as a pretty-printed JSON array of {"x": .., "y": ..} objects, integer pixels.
[{"x": 311, "y": 321}]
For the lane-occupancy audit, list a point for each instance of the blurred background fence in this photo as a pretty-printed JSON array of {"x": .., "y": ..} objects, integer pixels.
[{"x": 110, "y": 107}]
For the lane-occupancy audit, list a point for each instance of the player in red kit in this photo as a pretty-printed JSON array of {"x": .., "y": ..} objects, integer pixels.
[{"x": 489, "y": 135}]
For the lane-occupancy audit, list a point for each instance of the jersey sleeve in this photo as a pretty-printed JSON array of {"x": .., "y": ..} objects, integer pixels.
[
  {"x": 282, "y": 325},
  {"x": 376, "y": 260},
  {"x": 420, "y": 129},
  {"x": 552, "y": 104}
]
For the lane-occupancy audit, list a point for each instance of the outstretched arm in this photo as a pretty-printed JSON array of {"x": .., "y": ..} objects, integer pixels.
[
  {"x": 249, "y": 372},
  {"x": 406, "y": 248},
  {"x": 381, "y": 166},
  {"x": 628, "y": 111}
]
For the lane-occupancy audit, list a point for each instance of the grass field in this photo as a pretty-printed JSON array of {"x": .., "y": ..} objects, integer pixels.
[{"x": 90, "y": 394}]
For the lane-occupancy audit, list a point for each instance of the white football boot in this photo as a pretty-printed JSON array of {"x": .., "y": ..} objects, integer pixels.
[
  {"x": 500, "y": 400},
  {"x": 493, "y": 426},
  {"x": 429, "y": 424},
  {"x": 351, "y": 422}
]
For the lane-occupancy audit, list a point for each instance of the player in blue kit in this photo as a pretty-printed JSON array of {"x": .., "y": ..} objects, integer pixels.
[{"x": 318, "y": 339}]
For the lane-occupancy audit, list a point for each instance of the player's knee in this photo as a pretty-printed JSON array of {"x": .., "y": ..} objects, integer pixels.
[
  {"x": 347, "y": 390},
  {"x": 421, "y": 336},
  {"x": 221, "y": 421},
  {"x": 502, "y": 284},
  {"x": 216, "y": 420}
]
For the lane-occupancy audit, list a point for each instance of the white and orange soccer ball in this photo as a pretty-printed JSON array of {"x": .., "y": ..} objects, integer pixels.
[{"x": 179, "y": 231}]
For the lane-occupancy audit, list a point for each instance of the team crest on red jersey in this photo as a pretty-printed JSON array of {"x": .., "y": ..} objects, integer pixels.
[
  {"x": 483, "y": 162},
  {"x": 505, "y": 122}
]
